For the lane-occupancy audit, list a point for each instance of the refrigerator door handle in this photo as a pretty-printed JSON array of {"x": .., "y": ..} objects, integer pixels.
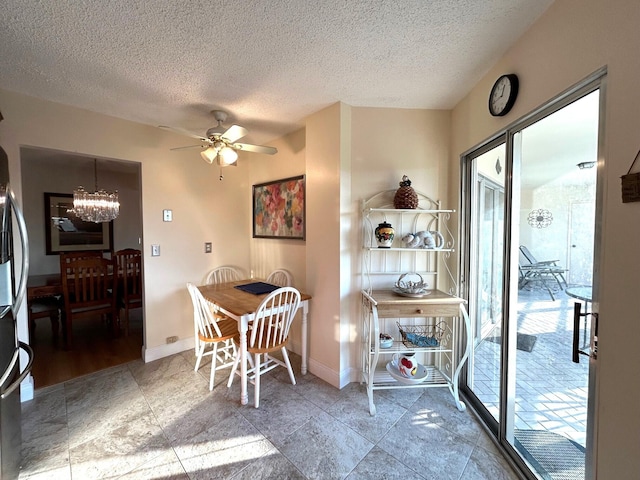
[
  {"x": 24, "y": 271},
  {"x": 22, "y": 375}
]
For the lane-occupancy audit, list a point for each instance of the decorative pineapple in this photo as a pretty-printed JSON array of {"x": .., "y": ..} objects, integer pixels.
[{"x": 406, "y": 196}]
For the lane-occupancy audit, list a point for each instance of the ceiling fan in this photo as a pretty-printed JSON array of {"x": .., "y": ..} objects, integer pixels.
[{"x": 219, "y": 143}]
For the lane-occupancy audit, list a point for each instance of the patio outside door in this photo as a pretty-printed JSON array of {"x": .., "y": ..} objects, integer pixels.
[{"x": 527, "y": 194}]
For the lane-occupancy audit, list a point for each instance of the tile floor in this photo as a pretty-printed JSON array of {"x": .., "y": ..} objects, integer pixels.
[{"x": 159, "y": 421}]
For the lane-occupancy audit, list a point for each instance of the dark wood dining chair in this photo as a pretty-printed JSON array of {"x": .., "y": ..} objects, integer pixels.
[
  {"x": 129, "y": 268},
  {"x": 122, "y": 255},
  {"x": 44, "y": 307},
  {"x": 88, "y": 286},
  {"x": 66, "y": 257}
]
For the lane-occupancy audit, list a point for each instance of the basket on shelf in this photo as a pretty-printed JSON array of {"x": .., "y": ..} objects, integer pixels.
[{"x": 416, "y": 336}]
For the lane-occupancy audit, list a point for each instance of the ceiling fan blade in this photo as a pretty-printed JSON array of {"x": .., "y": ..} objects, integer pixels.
[
  {"x": 247, "y": 147},
  {"x": 234, "y": 132},
  {"x": 183, "y": 132},
  {"x": 188, "y": 146}
]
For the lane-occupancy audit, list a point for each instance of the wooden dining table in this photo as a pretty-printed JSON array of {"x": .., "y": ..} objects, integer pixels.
[
  {"x": 242, "y": 306},
  {"x": 47, "y": 285}
]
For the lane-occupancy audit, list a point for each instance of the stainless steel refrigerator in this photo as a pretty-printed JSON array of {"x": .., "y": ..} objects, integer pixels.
[{"x": 14, "y": 248}]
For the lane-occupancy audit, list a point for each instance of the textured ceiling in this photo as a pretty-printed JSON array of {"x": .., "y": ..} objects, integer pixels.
[{"x": 269, "y": 63}]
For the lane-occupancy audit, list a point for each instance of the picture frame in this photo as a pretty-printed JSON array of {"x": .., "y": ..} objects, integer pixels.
[
  {"x": 66, "y": 232},
  {"x": 279, "y": 209}
]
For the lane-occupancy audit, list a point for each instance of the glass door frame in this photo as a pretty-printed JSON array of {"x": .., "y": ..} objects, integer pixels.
[{"x": 510, "y": 137}]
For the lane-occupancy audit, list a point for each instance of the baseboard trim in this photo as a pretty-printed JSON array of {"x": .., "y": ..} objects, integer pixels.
[{"x": 161, "y": 351}]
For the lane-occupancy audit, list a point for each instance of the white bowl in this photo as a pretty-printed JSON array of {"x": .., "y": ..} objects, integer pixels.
[{"x": 386, "y": 341}]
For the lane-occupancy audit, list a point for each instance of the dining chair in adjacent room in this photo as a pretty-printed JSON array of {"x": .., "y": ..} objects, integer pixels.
[
  {"x": 88, "y": 289},
  {"x": 223, "y": 275},
  {"x": 44, "y": 307},
  {"x": 281, "y": 278},
  {"x": 122, "y": 255},
  {"x": 269, "y": 332},
  {"x": 212, "y": 329},
  {"x": 129, "y": 283},
  {"x": 66, "y": 257}
]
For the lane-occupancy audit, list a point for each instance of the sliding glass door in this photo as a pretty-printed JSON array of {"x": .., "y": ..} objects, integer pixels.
[{"x": 530, "y": 211}]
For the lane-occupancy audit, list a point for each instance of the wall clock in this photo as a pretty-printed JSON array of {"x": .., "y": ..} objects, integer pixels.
[{"x": 503, "y": 95}]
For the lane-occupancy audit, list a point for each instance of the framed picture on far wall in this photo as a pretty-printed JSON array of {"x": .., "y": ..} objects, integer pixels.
[
  {"x": 279, "y": 209},
  {"x": 66, "y": 232}
]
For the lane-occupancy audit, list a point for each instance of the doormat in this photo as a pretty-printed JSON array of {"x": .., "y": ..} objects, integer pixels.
[
  {"x": 553, "y": 456},
  {"x": 525, "y": 342}
]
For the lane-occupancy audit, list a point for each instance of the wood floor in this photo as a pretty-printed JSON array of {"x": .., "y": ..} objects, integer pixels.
[{"x": 94, "y": 349}]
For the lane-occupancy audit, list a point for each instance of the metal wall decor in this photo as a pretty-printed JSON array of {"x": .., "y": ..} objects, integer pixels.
[{"x": 540, "y": 218}]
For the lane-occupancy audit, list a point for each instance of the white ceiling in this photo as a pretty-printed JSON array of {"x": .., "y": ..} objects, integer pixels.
[{"x": 269, "y": 63}]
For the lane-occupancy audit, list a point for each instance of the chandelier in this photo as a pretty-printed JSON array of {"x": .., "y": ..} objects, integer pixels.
[{"x": 100, "y": 206}]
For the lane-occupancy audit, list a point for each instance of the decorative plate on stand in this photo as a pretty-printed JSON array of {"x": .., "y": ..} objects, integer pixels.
[
  {"x": 418, "y": 294},
  {"x": 420, "y": 376}
]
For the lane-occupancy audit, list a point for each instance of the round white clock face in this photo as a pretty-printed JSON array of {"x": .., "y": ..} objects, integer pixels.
[{"x": 503, "y": 95}]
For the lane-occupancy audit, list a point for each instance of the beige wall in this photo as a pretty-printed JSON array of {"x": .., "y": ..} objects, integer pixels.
[
  {"x": 323, "y": 149},
  {"x": 573, "y": 39}
]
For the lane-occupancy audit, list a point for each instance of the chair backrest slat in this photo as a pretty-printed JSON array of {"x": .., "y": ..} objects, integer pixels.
[
  {"x": 87, "y": 281},
  {"x": 280, "y": 277},
  {"x": 203, "y": 314},
  {"x": 222, "y": 275},
  {"x": 130, "y": 271},
  {"x": 274, "y": 317}
]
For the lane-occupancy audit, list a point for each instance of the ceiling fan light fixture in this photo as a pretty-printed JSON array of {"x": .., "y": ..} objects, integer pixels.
[
  {"x": 209, "y": 155},
  {"x": 227, "y": 156}
]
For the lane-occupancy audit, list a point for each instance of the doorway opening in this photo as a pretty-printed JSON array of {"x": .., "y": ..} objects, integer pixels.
[{"x": 46, "y": 171}]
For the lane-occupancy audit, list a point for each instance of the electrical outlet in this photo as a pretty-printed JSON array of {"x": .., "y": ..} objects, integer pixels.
[
  {"x": 207, "y": 247},
  {"x": 172, "y": 339},
  {"x": 155, "y": 250}
]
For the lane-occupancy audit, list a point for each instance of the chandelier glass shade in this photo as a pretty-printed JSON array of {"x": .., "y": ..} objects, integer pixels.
[{"x": 99, "y": 206}]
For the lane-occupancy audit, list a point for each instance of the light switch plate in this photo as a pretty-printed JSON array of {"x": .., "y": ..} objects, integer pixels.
[
  {"x": 167, "y": 215},
  {"x": 155, "y": 250}
]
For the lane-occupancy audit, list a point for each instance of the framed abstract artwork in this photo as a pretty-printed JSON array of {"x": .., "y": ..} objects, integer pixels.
[
  {"x": 66, "y": 232},
  {"x": 279, "y": 209}
]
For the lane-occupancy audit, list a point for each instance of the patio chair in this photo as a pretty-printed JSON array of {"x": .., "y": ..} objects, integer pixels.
[{"x": 543, "y": 273}]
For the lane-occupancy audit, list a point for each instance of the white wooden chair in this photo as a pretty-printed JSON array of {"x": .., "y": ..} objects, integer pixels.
[
  {"x": 212, "y": 329},
  {"x": 222, "y": 275},
  {"x": 269, "y": 332},
  {"x": 280, "y": 277}
]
